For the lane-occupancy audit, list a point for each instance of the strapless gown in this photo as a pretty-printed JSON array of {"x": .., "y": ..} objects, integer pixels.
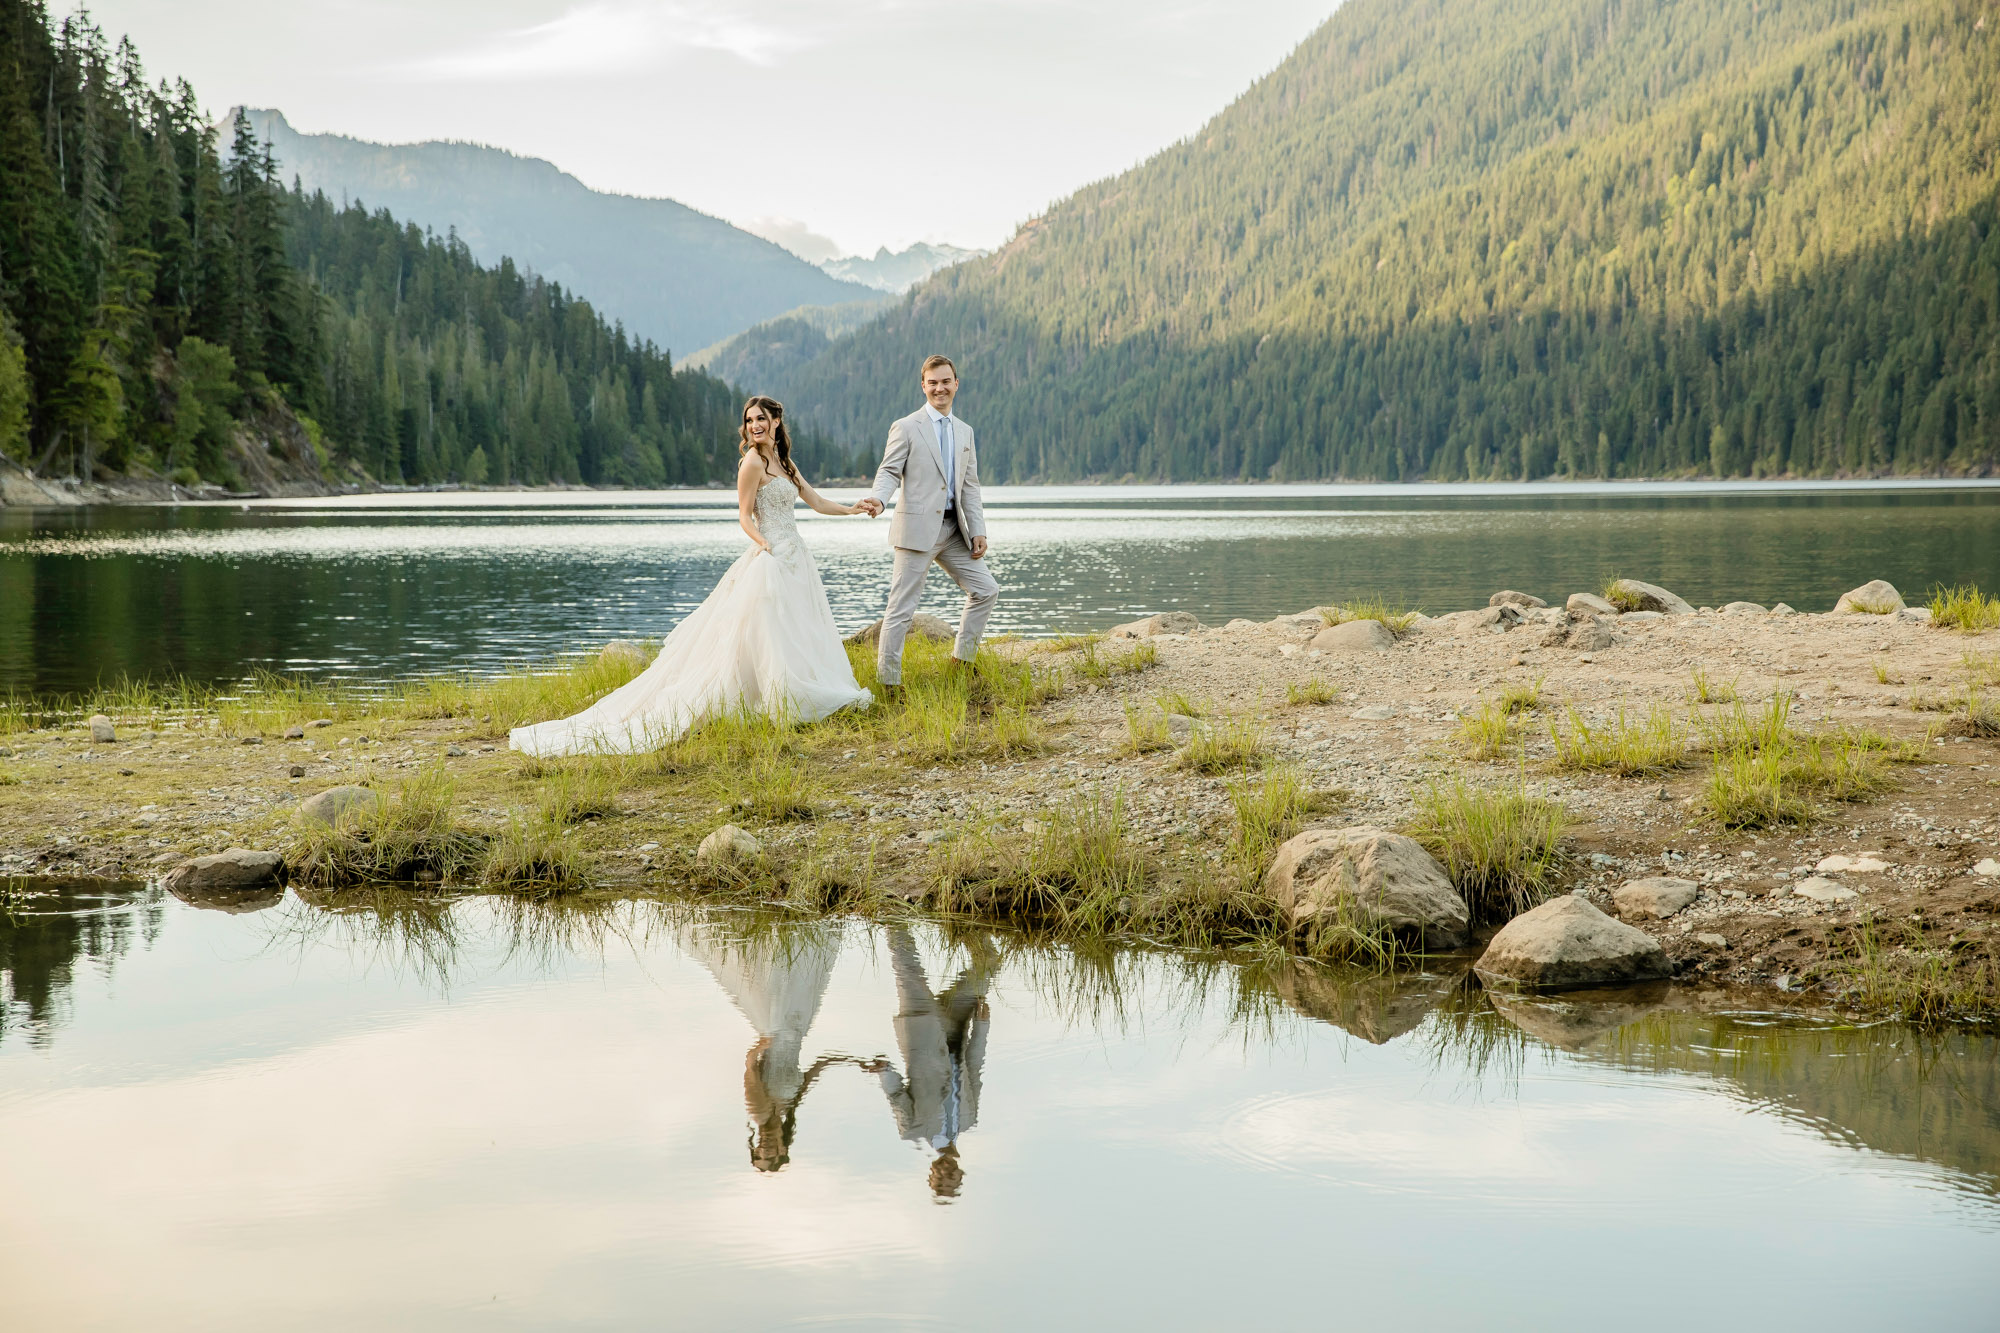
[{"x": 764, "y": 641}]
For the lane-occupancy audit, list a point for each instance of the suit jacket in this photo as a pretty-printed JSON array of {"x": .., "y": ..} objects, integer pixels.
[{"x": 911, "y": 462}]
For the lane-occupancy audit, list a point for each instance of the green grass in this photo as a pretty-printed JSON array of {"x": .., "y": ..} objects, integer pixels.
[
  {"x": 1100, "y": 664},
  {"x": 1964, "y": 608},
  {"x": 1226, "y": 746},
  {"x": 1870, "y": 607},
  {"x": 1519, "y": 698},
  {"x": 580, "y": 789},
  {"x": 1490, "y": 733},
  {"x": 1396, "y": 619},
  {"x": 1174, "y": 701},
  {"x": 413, "y": 833},
  {"x": 1883, "y": 676},
  {"x": 1310, "y": 693},
  {"x": 1709, "y": 691},
  {"x": 1620, "y": 596},
  {"x": 1145, "y": 730},
  {"x": 1079, "y": 874},
  {"x": 1269, "y": 808},
  {"x": 1070, "y": 643},
  {"x": 1656, "y": 743},
  {"x": 534, "y": 856},
  {"x": 1502, "y": 848},
  {"x": 1890, "y": 967},
  {"x": 1765, "y": 773}
]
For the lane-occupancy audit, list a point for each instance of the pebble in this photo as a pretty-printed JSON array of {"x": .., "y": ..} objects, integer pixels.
[
  {"x": 1988, "y": 866},
  {"x": 101, "y": 731},
  {"x": 1859, "y": 865},
  {"x": 320, "y": 722},
  {"x": 454, "y": 751},
  {"x": 1374, "y": 713},
  {"x": 1712, "y": 940},
  {"x": 298, "y": 770},
  {"x": 295, "y": 733},
  {"x": 253, "y": 740}
]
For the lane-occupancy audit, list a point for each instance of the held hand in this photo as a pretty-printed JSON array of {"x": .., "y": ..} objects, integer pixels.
[
  {"x": 978, "y": 548},
  {"x": 868, "y": 505}
]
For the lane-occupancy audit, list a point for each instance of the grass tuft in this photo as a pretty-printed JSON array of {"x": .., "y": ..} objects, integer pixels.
[
  {"x": 1310, "y": 693},
  {"x": 534, "y": 856},
  {"x": 1396, "y": 619},
  {"x": 1653, "y": 744},
  {"x": 1502, "y": 848},
  {"x": 413, "y": 833},
  {"x": 1490, "y": 733},
  {"x": 1227, "y": 746},
  {"x": 1709, "y": 691},
  {"x": 1145, "y": 730},
  {"x": 1621, "y": 596},
  {"x": 1079, "y": 873},
  {"x": 1964, "y": 608},
  {"x": 1519, "y": 698}
]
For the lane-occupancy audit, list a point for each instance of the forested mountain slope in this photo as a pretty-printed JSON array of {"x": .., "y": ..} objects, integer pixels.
[
  {"x": 1506, "y": 238},
  {"x": 676, "y": 276},
  {"x": 169, "y": 312}
]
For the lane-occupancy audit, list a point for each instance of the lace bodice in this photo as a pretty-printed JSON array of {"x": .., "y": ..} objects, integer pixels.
[{"x": 775, "y": 519}]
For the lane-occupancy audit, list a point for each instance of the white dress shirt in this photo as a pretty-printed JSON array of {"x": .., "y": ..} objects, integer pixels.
[{"x": 941, "y": 422}]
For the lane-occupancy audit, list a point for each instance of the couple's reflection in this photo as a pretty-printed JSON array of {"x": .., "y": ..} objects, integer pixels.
[{"x": 778, "y": 984}]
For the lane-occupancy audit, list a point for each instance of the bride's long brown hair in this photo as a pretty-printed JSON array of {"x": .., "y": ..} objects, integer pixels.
[{"x": 780, "y": 437}]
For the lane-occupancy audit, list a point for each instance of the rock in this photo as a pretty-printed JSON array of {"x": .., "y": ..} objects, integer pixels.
[
  {"x": 1581, "y": 603},
  {"x": 1987, "y": 866},
  {"x": 1179, "y": 726},
  {"x": 1375, "y": 1006},
  {"x": 1578, "y": 1019},
  {"x": 630, "y": 649},
  {"x": 226, "y": 874},
  {"x": 1567, "y": 944},
  {"x": 1641, "y": 617},
  {"x": 1877, "y": 597},
  {"x": 320, "y": 722},
  {"x": 1490, "y": 620},
  {"x": 925, "y": 626},
  {"x": 338, "y": 805},
  {"x": 454, "y": 752},
  {"x": 1582, "y": 633},
  {"x": 295, "y": 733},
  {"x": 1508, "y": 597},
  {"x": 728, "y": 846},
  {"x": 1356, "y": 636},
  {"x": 1710, "y": 939},
  {"x": 1167, "y": 622},
  {"x": 1915, "y": 615},
  {"x": 1859, "y": 865},
  {"x": 1782, "y": 609},
  {"x": 1657, "y": 896},
  {"x": 1652, "y": 597},
  {"x": 101, "y": 730},
  {"x": 252, "y": 740},
  {"x": 1386, "y": 880},
  {"x": 1823, "y": 890},
  {"x": 1743, "y": 609},
  {"x": 297, "y": 771},
  {"x": 1375, "y": 713}
]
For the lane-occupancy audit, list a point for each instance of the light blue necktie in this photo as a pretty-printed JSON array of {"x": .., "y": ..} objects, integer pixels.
[{"x": 944, "y": 457}]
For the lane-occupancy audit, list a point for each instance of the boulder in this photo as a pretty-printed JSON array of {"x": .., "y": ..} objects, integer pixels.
[
  {"x": 1783, "y": 609},
  {"x": 1568, "y": 944},
  {"x": 337, "y": 805},
  {"x": 1657, "y": 896},
  {"x": 1384, "y": 880},
  {"x": 234, "y": 873},
  {"x": 1355, "y": 636},
  {"x": 1581, "y": 633},
  {"x": 629, "y": 649},
  {"x": 1652, "y": 597},
  {"x": 1580, "y": 603},
  {"x": 1877, "y": 597},
  {"x": 925, "y": 626},
  {"x": 1167, "y": 622},
  {"x": 101, "y": 730},
  {"x": 1743, "y": 609},
  {"x": 727, "y": 847},
  {"x": 1489, "y": 620},
  {"x": 1508, "y": 597}
]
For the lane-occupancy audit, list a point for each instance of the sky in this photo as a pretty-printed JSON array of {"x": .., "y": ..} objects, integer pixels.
[{"x": 869, "y": 122}]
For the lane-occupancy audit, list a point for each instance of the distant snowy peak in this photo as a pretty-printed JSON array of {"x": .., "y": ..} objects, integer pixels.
[{"x": 897, "y": 272}]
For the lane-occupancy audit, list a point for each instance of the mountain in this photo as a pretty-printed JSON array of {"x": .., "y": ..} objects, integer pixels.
[
  {"x": 678, "y": 277},
  {"x": 1507, "y": 238},
  {"x": 900, "y": 271}
]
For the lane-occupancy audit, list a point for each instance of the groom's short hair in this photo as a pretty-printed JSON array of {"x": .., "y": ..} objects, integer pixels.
[{"x": 933, "y": 361}]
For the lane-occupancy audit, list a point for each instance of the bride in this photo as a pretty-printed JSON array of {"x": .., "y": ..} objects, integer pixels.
[{"x": 764, "y": 641}]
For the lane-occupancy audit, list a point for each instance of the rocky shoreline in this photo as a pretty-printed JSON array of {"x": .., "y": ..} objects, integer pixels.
[{"x": 1370, "y": 713}]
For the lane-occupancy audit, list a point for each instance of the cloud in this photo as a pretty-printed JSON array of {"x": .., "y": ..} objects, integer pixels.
[{"x": 609, "y": 36}]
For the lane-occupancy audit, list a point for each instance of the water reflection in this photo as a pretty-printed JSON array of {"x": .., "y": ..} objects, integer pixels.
[{"x": 47, "y": 926}]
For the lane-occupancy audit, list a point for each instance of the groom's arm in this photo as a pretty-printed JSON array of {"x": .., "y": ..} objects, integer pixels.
[
  {"x": 895, "y": 457},
  {"x": 972, "y": 505}
]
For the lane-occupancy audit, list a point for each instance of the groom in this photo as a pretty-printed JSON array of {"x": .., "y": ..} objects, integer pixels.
[{"x": 940, "y": 518}]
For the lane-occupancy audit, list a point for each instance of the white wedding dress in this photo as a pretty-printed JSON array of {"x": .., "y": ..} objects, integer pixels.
[{"x": 763, "y": 642}]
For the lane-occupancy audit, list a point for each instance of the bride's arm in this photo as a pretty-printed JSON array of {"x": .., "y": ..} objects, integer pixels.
[
  {"x": 748, "y": 478},
  {"x": 820, "y": 504}
]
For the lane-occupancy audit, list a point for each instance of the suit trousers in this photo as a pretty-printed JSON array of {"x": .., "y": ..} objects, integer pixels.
[{"x": 906, "y": 589}]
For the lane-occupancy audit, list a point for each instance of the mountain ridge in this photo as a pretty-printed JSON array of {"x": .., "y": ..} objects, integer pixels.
[{"x": 673, "y": 274}]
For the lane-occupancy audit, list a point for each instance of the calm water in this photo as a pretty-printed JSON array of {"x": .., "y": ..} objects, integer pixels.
[
  {"x": 496, "y": 1116},
  {"x": 384, "y": 585}
]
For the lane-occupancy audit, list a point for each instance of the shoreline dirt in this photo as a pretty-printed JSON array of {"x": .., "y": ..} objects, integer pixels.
[{"x": 192, "y": 786}]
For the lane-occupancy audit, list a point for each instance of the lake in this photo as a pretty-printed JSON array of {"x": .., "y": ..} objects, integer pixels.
[
  {"x": 496, "y": 1114},
  {"x": 386, "y": 585}
]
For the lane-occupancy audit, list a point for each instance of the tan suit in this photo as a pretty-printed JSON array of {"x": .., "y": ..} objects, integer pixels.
[{"x": 920, "y": 535}]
